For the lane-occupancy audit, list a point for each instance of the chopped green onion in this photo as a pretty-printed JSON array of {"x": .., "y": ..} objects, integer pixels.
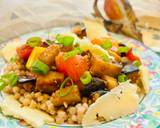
[
  {"x": 137, "y": 63},
  {"x": 122, "y": 78},
  {"x": 2, "y": 84},
  {"x": 49, "y": 42},
  {"x": 68, "y": 40},
  {"x": 59, "y": 38},
  {"x": 62, "y": 93},
  {"x": 13, "y": 59},
  {"x": 40, "y": 67},
  {"x": 105, "y": 58},
  {"x": 10, "y": 78},
  {"x": 86, "y": 78},
  {"x": 123, "y": 49},
  {"x": 34, "y": 41},
  {"x": 65, "y": 40},
  {"x": 107, "y": 44},
  {"x": 72, "y": 53}
]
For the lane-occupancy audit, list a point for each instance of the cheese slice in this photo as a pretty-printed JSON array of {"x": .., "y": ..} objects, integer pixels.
[
  {"x": 9, "y": 50},
  {"x": 120, "y": 101},
  {"x": 95, "y": 29},
  {"x": 34, "y": 117},
  {"x": 144, "y": 76}
]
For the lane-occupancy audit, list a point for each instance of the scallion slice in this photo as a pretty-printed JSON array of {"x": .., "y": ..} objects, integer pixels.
[
  {"x": 34, "y": 41},
  {"x": 122, "y": 78},
  {"x": 137, "y": 63},
  {"x": 68, "y": 40},
  {"x": 10, "y": 78},
  {"x": 105, "y": 58},
  {"x": 40, "y": 67},
  {"x": 65, "y": 40},
  {"x": 59, "y": 38},
  {"x": 2, "y": 84},
  {"x": 72, "y": 53},
  {"x": 107, "y": 44},
  {"x": 62, "y": 93},
  {"x": 86, "y": 78},
  {"x": 123, "y": 49}
]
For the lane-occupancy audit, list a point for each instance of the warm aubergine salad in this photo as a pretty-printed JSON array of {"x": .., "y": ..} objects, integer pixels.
[{"x": 63, "y": 77}]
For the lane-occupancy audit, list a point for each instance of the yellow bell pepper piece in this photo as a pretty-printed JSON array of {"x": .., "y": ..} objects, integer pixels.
[{"x": 34, "y": 56}]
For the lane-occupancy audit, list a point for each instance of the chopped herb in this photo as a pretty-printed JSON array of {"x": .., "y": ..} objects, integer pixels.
[
  {"x": 123, "y": 49},
  {"x": 105, "y": 58},
  {"x": 13, "y": 59},
  {"x": 86, "y": 78},
  {"x": 122, "y": 78},
  {"x": 72, "y": 53},
  {"x": 65, "y": 40},
  {"x": 62, "y": 93},
  {"x": 40, "y": 67},
  {"x": 34, "y": 41},
  {"x": 107, "y": 44},
  {"x": 137, "y": 63}
]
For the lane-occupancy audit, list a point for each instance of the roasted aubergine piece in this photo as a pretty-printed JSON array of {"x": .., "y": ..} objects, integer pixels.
[
  {"x": 99, "y": 67},
  {"x": 50, "y": 82},
  {"x": 48, "y": 56},
  {"x": 70, "y": 98}
]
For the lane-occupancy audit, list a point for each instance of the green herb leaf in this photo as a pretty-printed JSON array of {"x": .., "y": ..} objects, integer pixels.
[{"x": 34, "y": 41}]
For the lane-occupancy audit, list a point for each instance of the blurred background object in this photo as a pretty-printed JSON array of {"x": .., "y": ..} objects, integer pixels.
[
  {"x": 119, "y": 17},
  {"x": 22, "y": 16}
]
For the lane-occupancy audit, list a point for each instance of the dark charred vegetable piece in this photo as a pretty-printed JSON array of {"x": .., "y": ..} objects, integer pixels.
[
  {"x": 71, "y": 98},
  {"x": 100, "y": 67},
  {"x": 22, "y": 80},
  {"x": 50, "y": 82},
  {"x": 95, "y": 85},
  {"x": 48, "y": 56}
]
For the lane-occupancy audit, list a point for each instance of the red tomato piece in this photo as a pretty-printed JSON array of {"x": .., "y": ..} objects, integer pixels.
[
  {"x": 74, "y": 67},
  {"x": 131, "y": 56},
  {"x": 24, "y": 51}
]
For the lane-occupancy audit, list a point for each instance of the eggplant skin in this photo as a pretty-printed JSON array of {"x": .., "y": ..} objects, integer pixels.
[
  {"x": 50, "y": 82},
  {"x": 100, "y": 67},
  {"x": 72, "y": 97},
  {"x": 48, "y": 56},
  {"x": 95, "y": 85}
]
